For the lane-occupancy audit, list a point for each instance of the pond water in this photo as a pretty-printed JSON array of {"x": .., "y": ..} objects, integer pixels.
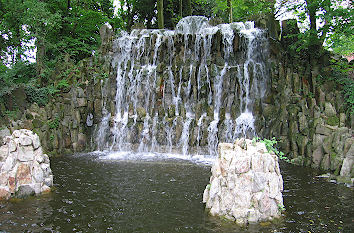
[{"x": 164, "y": 195}]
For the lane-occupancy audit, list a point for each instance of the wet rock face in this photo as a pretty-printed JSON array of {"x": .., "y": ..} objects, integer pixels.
[
  {"x": 311, "y": 122},
  {"x": 246, "y": 183},
  {"x": 184, "y": 90},
  {"x": 24, "y": 169}
]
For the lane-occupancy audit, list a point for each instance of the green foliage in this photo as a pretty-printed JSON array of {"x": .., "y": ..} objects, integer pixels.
[
  {"x": 19, "y": 75},
  {"x": 11, "y": 114},
  {"x": 270, "y": 145},
  {"x": 64, "y": 32},
  {"x": 281, "y": 207},
  {"x": 333, "y": 121},
  {"x": 54, "y": 123},
  {"x": 341, "y": 74},
  {"x": 337, "y": 28},
  {"x": 62, "y": 84},
  {"x": 145, "y": 12},
  {"x": 342, "y": 44},
  {"x": 59, "y": 27},
  {"x": 11, "y": 78},
  {"x": 243, "y": 9},
  {"x": 37, "y": 95}
]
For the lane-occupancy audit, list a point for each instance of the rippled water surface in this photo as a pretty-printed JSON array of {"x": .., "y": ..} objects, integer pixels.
[{"x": 164, "y": 195}]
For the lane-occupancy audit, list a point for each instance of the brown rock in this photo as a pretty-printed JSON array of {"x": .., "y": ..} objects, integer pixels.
[
  {"x": 242, "y": 165},
  {"x": 3, "y": 178},
  {"x": 12, "y": 184},
  {"x": 4, "y": 194},
  {"x": 23, "y": 174}
]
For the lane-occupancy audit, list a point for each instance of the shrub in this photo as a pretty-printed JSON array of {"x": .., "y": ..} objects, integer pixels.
[{"x": 270, "y": 145}]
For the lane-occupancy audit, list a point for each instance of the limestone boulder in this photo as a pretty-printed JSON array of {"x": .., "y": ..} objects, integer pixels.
[
  {"x": 246, "y": 185},
  {"x": 24, "y": 169}
]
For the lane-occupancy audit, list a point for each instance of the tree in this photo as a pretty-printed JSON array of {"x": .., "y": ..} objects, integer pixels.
[
  {"x": 241, "y": 10},
  {"x": 229, "y": 9},
  {"x": 160, "y": 17},
  {"x": 180, "y": 8},
  {"x": 188, "y": 7},
  {"x": 329, "y": 21},
  {"x": 40, "y": 21},
  {"x": 14, "y": 35}
]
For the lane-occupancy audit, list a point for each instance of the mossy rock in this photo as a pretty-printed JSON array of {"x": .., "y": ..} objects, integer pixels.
[
  {"x": 37, "y": 123},
  {"x": 130, "y": 122},
  {"x": 332, "y": 121},
  {"x": 29, "y": 116},
  {"x": 141, "y": 112},
  {"x": 171, "y": 111},
  {"x": 298, "y": 161},
  {"x": 343, "y": 179},
  {"x": 337, "y": 171}
]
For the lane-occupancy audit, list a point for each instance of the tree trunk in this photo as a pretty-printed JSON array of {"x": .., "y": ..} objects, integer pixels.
[
  {"x": 229, "y": 10},
  {"x": 40, "y": 56},
  {"x": 315, "y": 43},
  {"x": 160, "y": 19},
  {"x": 188, "y": 7},
  {"x": 181, "y": 8},
  {"x": 129, "y": 16}
]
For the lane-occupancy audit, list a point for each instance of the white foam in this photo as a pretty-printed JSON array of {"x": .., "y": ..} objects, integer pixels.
[{"x": 152, "y": 156}]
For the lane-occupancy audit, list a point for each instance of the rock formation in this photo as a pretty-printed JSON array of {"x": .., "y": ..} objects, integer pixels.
[
  {"x": 185, "y": 92},
  {"x": 246, "y": 183},
  {"x": 24, "y": 169}
]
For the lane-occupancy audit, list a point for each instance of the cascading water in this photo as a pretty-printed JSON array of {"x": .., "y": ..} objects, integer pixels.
[
  {"x": 102, "y": 130},
  {"x": 184, "y": 91}
]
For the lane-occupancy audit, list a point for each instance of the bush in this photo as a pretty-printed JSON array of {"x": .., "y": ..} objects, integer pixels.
[
  {"x": 270, "y": 145},
  {"x": 37, "y": 95},
  {"x": 340, "y": 74},
  {"x": 54, "y": 124}
]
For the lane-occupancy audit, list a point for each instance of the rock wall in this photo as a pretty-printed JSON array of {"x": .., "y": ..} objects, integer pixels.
[
  {"x": 308, "y": 117},
  {"x": 64, "y": 125},
  {"x": 246, "y": 184},
  {"x": 24, "y": 169}
]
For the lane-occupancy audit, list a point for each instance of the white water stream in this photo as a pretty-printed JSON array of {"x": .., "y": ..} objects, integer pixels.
[{"x": 170, "y": 92}]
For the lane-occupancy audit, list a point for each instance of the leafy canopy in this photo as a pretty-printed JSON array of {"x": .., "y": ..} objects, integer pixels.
[{"x": 331, "y": 23}]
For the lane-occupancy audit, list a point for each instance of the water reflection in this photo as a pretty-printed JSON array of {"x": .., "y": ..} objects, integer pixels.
[
  {"x": 94, "y": 195},
  {"x": 29, "y": 214}
]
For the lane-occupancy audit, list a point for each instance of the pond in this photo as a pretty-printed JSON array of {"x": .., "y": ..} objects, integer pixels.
[{"x": 164, "y": 195}]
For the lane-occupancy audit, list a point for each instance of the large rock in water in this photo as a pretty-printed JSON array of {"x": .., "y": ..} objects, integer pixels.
[
  {"x": 246, "y": 183},
  {"x": 24, "y": 169}
]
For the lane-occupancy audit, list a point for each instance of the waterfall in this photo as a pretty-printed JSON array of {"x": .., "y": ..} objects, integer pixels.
[
  {"x": 183, "y": 91},
  {"x": 103, "y": 127}
]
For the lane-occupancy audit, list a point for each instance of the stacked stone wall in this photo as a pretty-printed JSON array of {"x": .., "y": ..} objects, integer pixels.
[
  {"x": 246, "y": 184},
  {"x": 24, "y": 169}
]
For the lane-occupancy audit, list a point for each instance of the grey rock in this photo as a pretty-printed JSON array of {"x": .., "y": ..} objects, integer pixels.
[
  {"x": 3, "y": 133},
  {"x": 89, "y": 120},
  {"x": 25, "y": 191},
  {"x": 347, "y": 166},
  {"x": 317, "y": 156},
  {"x": 329, "y": 110},
  {"x": 81, "y": 102},
  {"x": 324, "y": 129}
]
